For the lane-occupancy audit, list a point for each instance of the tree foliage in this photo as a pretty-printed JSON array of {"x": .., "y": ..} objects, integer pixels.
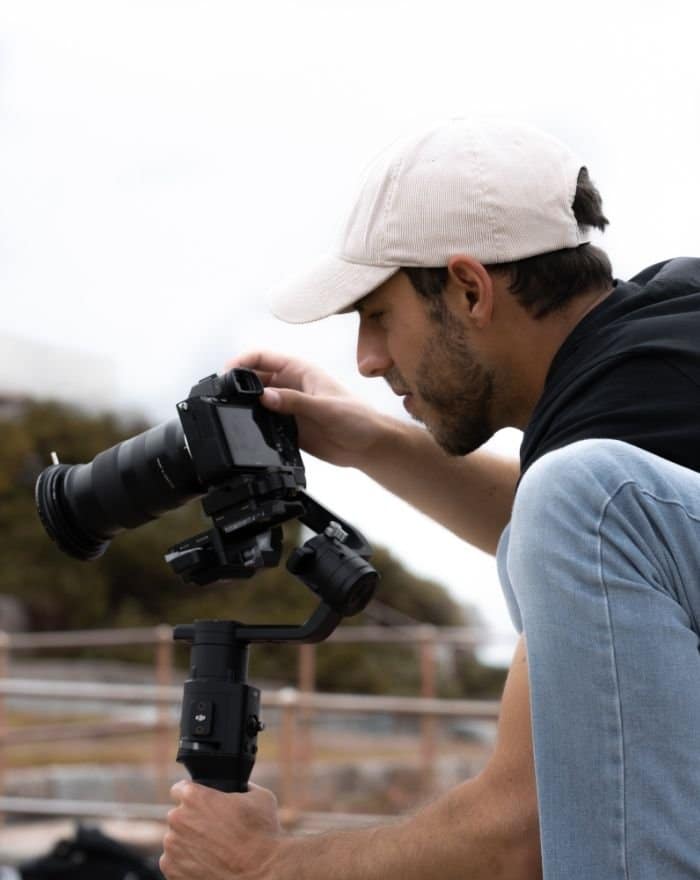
[{"x": 132, "y": 586}]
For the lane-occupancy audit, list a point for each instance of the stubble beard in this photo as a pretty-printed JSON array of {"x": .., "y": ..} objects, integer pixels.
[{"x": 458, "y": 391}]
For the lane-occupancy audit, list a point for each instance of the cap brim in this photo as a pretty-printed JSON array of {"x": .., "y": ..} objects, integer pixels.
[{"x": 332, "y": 286}]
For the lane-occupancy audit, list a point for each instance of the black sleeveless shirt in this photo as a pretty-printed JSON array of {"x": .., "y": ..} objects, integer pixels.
[{"x": 629, "y": 370}]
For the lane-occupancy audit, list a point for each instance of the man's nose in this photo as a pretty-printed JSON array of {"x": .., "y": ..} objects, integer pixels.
[{"x": 373, "y": 359}]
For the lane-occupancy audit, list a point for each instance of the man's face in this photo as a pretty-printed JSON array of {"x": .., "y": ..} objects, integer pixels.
[{"x": 426, "y": 357}]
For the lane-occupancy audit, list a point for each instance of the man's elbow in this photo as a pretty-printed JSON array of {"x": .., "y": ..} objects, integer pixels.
[
  {"x": 513, "y": 802},
  {"x": 523, "y": 844},
  {"x": 508, "y": 822}
]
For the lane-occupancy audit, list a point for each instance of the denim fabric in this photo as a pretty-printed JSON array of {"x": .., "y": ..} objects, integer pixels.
[{"x": 601, "y": 568}]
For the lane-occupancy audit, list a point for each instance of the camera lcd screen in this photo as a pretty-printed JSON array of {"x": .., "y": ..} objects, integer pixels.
[{"x": 246, "y": 441}]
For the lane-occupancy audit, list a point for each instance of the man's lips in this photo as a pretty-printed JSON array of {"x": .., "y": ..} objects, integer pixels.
[{"x": 407, "y": 397}]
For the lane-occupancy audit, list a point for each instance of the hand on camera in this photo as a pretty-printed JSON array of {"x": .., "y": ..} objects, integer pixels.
[
  {"x": 219, "y": 836},
  {"x": 333, "y": 425}
]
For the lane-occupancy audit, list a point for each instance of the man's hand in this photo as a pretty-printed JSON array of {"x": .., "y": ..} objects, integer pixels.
[
  {"x": 216, "y": 836},
  {"x": 333, "y": 424}
]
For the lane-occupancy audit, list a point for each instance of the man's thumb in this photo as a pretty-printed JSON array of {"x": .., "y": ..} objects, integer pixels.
[
  {"x": 272, "y": 399},
  {"x": 285, "y": 400}
]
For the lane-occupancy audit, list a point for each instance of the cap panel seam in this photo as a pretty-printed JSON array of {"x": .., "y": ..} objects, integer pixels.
[
  {"x": 485, "y": 199},
  {"x": 395, "y": 170}
]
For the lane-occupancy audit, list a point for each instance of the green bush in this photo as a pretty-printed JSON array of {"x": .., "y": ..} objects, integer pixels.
[{"x": 132, "y": 586}]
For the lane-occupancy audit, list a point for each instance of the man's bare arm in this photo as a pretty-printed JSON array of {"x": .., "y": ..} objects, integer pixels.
[
  {"x": 472, "y": 495},
  {"x": 484, "y": 829}
]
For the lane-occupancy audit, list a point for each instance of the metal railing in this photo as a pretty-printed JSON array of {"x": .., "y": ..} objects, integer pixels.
[{"x": 296, "y": 706}]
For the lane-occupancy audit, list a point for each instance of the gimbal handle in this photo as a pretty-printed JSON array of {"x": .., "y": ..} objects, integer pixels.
[{"x": 220, "y": 711}]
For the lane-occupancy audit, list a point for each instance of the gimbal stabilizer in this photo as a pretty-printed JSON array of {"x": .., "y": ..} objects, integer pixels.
[{"x": 220, "y": 710}]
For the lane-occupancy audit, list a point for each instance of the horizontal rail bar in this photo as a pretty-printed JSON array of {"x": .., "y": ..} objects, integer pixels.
[
  {"x": 149, "y": 635},
  {"x": 286, "y": 697},
  {"x": 385, "y": 705},
  {"x": 88, "y": 690},
  {"x": 87, "y": 638},
  {"x": 109, "y": 809},
  {"x": 59, "y": 807},
  {"x": 457, "y": 635},
  {"x": 39, "y": 733}
]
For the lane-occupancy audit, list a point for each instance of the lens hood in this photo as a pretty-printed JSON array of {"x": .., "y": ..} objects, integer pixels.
[{"x": 58, "y": 521}]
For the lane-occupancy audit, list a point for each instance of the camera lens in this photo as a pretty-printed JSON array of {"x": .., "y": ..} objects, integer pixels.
[{"x": 83, "y": 506}]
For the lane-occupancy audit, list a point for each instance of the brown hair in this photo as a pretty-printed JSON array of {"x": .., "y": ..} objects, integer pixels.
[{"x": 546, "y": 282}]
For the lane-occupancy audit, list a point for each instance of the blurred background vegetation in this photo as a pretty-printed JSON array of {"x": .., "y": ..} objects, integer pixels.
[{"x": 132, "y": 586}]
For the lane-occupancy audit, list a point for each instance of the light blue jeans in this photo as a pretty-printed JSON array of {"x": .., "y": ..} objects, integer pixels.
[{"x": 601, "y": 569}]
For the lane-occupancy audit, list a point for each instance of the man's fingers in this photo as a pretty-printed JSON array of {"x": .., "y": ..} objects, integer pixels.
[
  {"x": 251, "y": 362},
  {"x": 284, "y": 400},
  {"x": 181, "y": 790},
  {"x": 264, "y": 376},
  {"x": 263, "y": 795},
  {"x": 188, "y": 792},
  {"x": 275, "y": 369},
  {"x": 251, "y": 359},
  {"x": 263, "y": 361}
]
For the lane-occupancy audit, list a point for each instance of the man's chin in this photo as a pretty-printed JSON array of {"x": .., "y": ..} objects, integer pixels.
[
  {"x": 453, "y": 444},
  {"x": 461, "y": 445}
]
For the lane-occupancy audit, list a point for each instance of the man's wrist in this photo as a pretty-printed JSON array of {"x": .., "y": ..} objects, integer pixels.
[
  {"x": 357, "y": 854},
  {"x": 391, "y": 438}
]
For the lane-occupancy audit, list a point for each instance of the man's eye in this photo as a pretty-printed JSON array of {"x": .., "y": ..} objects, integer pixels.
[{"x": 375, "y": 316}]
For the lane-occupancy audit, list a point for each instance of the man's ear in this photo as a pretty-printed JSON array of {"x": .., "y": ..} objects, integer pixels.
[{"x": 469, "y": 289}]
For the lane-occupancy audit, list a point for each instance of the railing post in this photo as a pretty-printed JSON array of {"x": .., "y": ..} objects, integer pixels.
[
  {"x": 4, "y": 671},
  {"x": 428, "y": 668},
  {"x": 289, "y": 699},
  {"x": 164, "y": 743},
  {"x": 307, "y": 685}
]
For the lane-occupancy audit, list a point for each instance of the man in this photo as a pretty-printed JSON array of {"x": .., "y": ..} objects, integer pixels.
[{"x": 482, "y": 303}]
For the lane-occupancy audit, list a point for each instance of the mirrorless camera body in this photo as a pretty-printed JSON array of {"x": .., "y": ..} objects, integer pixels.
[{"x": 224, "y": 446}]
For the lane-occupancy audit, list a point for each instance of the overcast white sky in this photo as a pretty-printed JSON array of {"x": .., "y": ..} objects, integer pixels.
[{"x": 162, "y": 163}]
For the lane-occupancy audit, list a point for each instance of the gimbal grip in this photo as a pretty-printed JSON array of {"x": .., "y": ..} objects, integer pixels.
[
  {"x": 218, "y": 733},
  {"x": 226, "y": 785},
  {"x": 220, "y": 718}
]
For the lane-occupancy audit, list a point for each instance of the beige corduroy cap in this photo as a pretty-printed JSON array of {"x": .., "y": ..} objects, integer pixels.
[{"x": 496, "y": 190}]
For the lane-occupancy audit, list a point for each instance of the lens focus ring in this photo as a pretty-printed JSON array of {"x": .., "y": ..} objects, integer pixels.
[{"x": 56, "y": 517}]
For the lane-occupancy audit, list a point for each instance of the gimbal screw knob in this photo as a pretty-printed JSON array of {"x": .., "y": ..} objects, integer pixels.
[{"x": 335, "y": 530}]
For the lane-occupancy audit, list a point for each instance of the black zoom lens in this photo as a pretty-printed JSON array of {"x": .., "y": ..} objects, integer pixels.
[{"x": 83, "y": 506}]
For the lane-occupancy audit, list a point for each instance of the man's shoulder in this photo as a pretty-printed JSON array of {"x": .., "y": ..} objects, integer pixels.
[
  {"x": 670, "y": 274},
  {"x": 654, "y": 312}
]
